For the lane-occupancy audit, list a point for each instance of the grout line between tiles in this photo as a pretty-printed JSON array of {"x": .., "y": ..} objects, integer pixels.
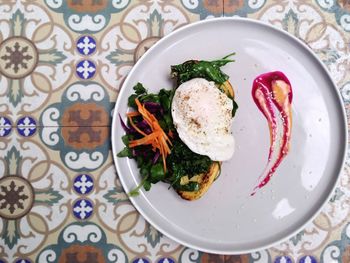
[{"x": 223, "y": 7}]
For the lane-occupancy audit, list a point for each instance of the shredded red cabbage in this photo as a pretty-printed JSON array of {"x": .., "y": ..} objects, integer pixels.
[
  {"x": 153, "y": 107},
  {"x": 155, "y": 157},
  {"x": 143, "y": 125},
  {"x": 125, "y": 128}
]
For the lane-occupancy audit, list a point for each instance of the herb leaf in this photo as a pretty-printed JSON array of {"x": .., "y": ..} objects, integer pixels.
[
  {"x": 182, "y": 161},
  {"x": 135, "y": 191},
  {"x": 210, "y": 70},
  {"x": 139, "y": 89},
  {"x": 126, "y": 152},
  {"x": 157, "y": 173},
  {"x": 125, "y": 139}
]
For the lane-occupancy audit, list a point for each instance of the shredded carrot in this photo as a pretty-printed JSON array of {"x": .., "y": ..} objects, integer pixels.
[
  {"x": 133, "y": 114},
  {"x": 164, "y": 157},
  {"x": 158, "y": 138},
  {"x": 145, "y": 140},
  {"x": 144, "y": 112},
  {"x": 157, "y": 127}
]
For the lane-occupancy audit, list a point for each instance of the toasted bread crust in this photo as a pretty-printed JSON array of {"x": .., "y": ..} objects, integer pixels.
[
  {"x": 206, "y": 179},
  {"x": 228, "y": 89}
]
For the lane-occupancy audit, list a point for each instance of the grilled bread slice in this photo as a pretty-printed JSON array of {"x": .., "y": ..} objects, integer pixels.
[{"x": 205, "y": 180}]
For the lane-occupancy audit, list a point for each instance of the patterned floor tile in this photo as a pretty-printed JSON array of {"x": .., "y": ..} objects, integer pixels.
[
  {"x": 35, "y": 194},
  {"x": 62, "y": 64},
  {"x": 190, "y": 255},
  {"x": 257, "y": 257},
  {"x": 205, "y": 9},
  {"x": 37, "y": 70},
  {"x": 340, "y": 10},
  {"x": 33, "y": 64},
  {"x": 242, "y": 8},
  {"x": 46, "y": 191},
  {"x": 6, "y": 126},
  {"x": 318, "y": 29},
  {"x": 82, "y": 104},
  {"x": 338, "y": 250},
  {"x": 80, "y": 148},
  {"x": 40, "y": 195}
]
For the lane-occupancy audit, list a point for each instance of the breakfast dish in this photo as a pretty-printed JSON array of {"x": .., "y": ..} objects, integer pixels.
[
  {"x": 181, "y": 136},
  {"x": 227, "y": 220}
]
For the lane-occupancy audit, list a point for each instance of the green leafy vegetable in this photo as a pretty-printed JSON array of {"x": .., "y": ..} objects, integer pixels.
[
  {"x": 131, "y": 101},
  {"x": 157, "y": 173},
  {"x": 135, "y": 192},
  {"x": 147, "y": 185},
  {"x": 191, "y": 186},
  {"x": 209, "y": 70},
  {"x": 139, "y": 89},
  {"x": 182, "y": 161},
  {"x": 149, "y": 98},
  {"x": 166, "y": 97},
  {"x": 125, "y": 139},
  {"x": 126, "y": 152}
]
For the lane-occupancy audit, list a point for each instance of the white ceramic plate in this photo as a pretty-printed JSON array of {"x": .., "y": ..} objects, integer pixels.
[{"x": 227, "y": 220}]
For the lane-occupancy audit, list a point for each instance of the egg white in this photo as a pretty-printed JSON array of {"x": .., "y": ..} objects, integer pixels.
[{"x": 202, "y": 116}]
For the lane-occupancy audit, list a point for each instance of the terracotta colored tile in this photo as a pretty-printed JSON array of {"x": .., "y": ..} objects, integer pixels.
[
  {"x": 62, "y": 64},
  {"x": 212, "y": 258},
  {"x": 237, "y": 259}
]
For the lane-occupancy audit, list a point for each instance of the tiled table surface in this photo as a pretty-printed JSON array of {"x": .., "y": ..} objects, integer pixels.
[{"x": 61, "y": 66}]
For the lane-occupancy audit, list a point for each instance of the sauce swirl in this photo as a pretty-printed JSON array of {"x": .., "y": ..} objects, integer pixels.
[{"x": 272, "y": 93}]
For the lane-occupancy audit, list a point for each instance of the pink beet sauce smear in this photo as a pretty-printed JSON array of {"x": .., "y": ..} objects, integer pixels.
[{"x": 272, "y": 93}]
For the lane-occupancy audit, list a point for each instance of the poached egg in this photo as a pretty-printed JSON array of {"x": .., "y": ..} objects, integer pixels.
[{"x": 202, "y": 116}]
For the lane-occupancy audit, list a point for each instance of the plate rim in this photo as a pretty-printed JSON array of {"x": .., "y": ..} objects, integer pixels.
[{"x": 338, "y": 171}]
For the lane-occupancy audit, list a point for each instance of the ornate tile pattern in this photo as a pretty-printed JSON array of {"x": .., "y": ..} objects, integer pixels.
[{"x": 61, "y": 66}]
